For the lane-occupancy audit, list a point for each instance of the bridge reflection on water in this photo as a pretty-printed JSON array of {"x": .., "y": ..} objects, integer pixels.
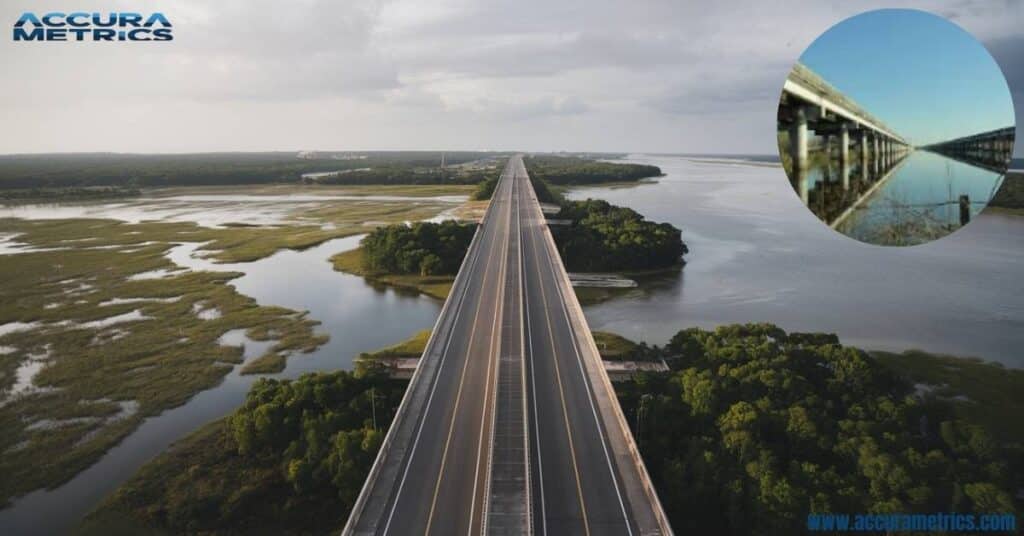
[{"x": 908, "y": 200}]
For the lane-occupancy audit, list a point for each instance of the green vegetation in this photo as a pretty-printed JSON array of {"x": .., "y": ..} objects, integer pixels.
[
  {"x": 1011, "y": 194},
  {"x": 615, "y": 347},
  {"x": 144, "y": 170},
  {"x": 101, "y": 378},
  {"x": 980, "y": 392},
  {"x": 751, "y": 430},
  {"x": 605, "y": 238},
  {"x": 485, "y": 189},
  {"x": 568, "y": 170},
  {"x": 291, "y": 460},
  {"x": 755, "y": 428},
  {"x": 406, "y": 174},
  {"x": 421, "y": 248},
  {"x": 437, "y": 286},
  {"x": 423, "y": 257},
  {"x": 411, "y": 347},
  {"x": 76, "y": 193}
]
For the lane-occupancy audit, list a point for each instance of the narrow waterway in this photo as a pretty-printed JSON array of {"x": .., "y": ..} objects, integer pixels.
[
  {"x": 358, "y": 317},
  {"x": 758, "y": 255}
]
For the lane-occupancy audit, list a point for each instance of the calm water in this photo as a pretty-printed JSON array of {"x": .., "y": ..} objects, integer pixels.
[
  {"x": 358, "y": 318},
  {"x": 906, "y": 200},
  {"x": 757, "y": 254}
]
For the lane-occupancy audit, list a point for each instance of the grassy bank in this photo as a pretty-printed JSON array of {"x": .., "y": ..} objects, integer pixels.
[{"x": 436, "y": 286}]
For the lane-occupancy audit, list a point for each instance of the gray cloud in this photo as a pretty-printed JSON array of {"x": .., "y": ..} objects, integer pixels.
[{"x": 658, "y": 75}]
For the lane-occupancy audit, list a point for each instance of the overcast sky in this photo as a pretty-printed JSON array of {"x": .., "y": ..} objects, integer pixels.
[{"x": 547, "y": 75}]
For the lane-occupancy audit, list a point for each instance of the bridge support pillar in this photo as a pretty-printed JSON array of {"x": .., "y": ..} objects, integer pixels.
[
  {"x": 864, "y": 155},
  {"x": 798, "y": 140},
  {"x": 844, "y": 144},
  {"x": 876, "y": 158}
]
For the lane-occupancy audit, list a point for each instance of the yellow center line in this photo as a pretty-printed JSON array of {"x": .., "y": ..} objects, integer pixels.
[
  {"x": 458, "y": 401},
  {"x": 561, "y": 394}
]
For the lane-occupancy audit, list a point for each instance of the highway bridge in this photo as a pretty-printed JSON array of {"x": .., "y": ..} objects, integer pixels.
[
  {"x": 809, "y": 104},
  {"x": 991, "y": 150},
  {"x": 510, "y": 424}
]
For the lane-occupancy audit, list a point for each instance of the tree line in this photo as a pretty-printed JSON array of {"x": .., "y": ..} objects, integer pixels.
[
  {"x": 570, "y": 170},
  {"x": 21, "y": 171}
]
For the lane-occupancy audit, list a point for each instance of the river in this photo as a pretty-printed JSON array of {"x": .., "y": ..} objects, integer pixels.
[{"x": 757, "y": 254}]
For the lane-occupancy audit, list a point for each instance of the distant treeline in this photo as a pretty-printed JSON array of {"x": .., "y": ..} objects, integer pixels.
[
  {"x": 605, "y": 238},
  {"x": 566, "y": 170},
  {"x": 71, "y": 192},
  {"x": 400, "y": 174},
  {"x": 135, "y": 170},
  {"x": 421, "y": 248}
]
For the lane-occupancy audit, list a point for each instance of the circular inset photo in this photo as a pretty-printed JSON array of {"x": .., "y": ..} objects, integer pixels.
[{"x": 895, "y": 127}]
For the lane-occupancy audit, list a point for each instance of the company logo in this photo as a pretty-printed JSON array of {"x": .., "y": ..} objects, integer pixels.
[{"x": 81, "y": 26}]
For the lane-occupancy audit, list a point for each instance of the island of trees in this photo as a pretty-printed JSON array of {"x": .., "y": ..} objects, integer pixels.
[
  {"x": 752, "y": 429},
  {"x": 603, "y": 237},
  {"x": 570, "y": 170},
  {"x": 422, "y": 248},
  {"x": 600, "y": 238}
]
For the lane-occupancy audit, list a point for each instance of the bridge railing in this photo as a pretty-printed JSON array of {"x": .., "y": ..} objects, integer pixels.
[
  {"x": 595, "y": 369},
  {"x": 403, "y": 407}
]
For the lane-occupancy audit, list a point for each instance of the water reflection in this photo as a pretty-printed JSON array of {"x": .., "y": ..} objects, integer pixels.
[{"x": 896, "y": 200}]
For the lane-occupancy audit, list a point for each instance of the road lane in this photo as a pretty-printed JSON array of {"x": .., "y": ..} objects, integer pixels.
[
  {"x": 510, "y": 424},
  {"x": 433, "y": 478}
]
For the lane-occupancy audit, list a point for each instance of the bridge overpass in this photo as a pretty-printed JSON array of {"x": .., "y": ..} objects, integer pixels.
[
  {"x": 809, "y": 105},
  {"x": 510, "y": 424},
  {"x": 992, "y": 150}
]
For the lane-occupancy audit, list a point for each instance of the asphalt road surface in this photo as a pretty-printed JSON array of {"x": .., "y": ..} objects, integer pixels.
[{"x": 509, "y": 425}]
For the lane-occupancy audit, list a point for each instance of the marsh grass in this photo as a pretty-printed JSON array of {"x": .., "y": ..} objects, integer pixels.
[
  {"x": 73, "y": 413},
  {"x": 435, "y": 286}
]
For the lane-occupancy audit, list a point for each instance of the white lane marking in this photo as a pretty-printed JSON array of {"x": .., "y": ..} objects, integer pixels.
[
  {"x": 565, "y": 409},
  {"x": 590, "y": 399},
  {"x": 536, "y": 419},
  {"x": 433, "y": 388},
  {"x": 491, "y": 361}
]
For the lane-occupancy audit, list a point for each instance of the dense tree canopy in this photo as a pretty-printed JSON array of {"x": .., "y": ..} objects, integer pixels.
[
  {"x": 755, "y": 428},
  {"x": 566, "y": 170},
  {"x": 319, "y": 428},
  {"x": 605, "y": 237},
  {"x": 421, "y": 248}
]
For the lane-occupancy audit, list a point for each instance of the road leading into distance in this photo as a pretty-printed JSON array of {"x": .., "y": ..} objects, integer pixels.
[{"x": 509, "y": 425}]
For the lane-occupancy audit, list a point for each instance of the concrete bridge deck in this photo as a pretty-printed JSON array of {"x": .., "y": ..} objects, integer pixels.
[{"x": 510, "y": 424}]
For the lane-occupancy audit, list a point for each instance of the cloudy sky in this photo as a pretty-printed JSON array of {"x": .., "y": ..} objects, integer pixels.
[{"x": 600, "y": 75}]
